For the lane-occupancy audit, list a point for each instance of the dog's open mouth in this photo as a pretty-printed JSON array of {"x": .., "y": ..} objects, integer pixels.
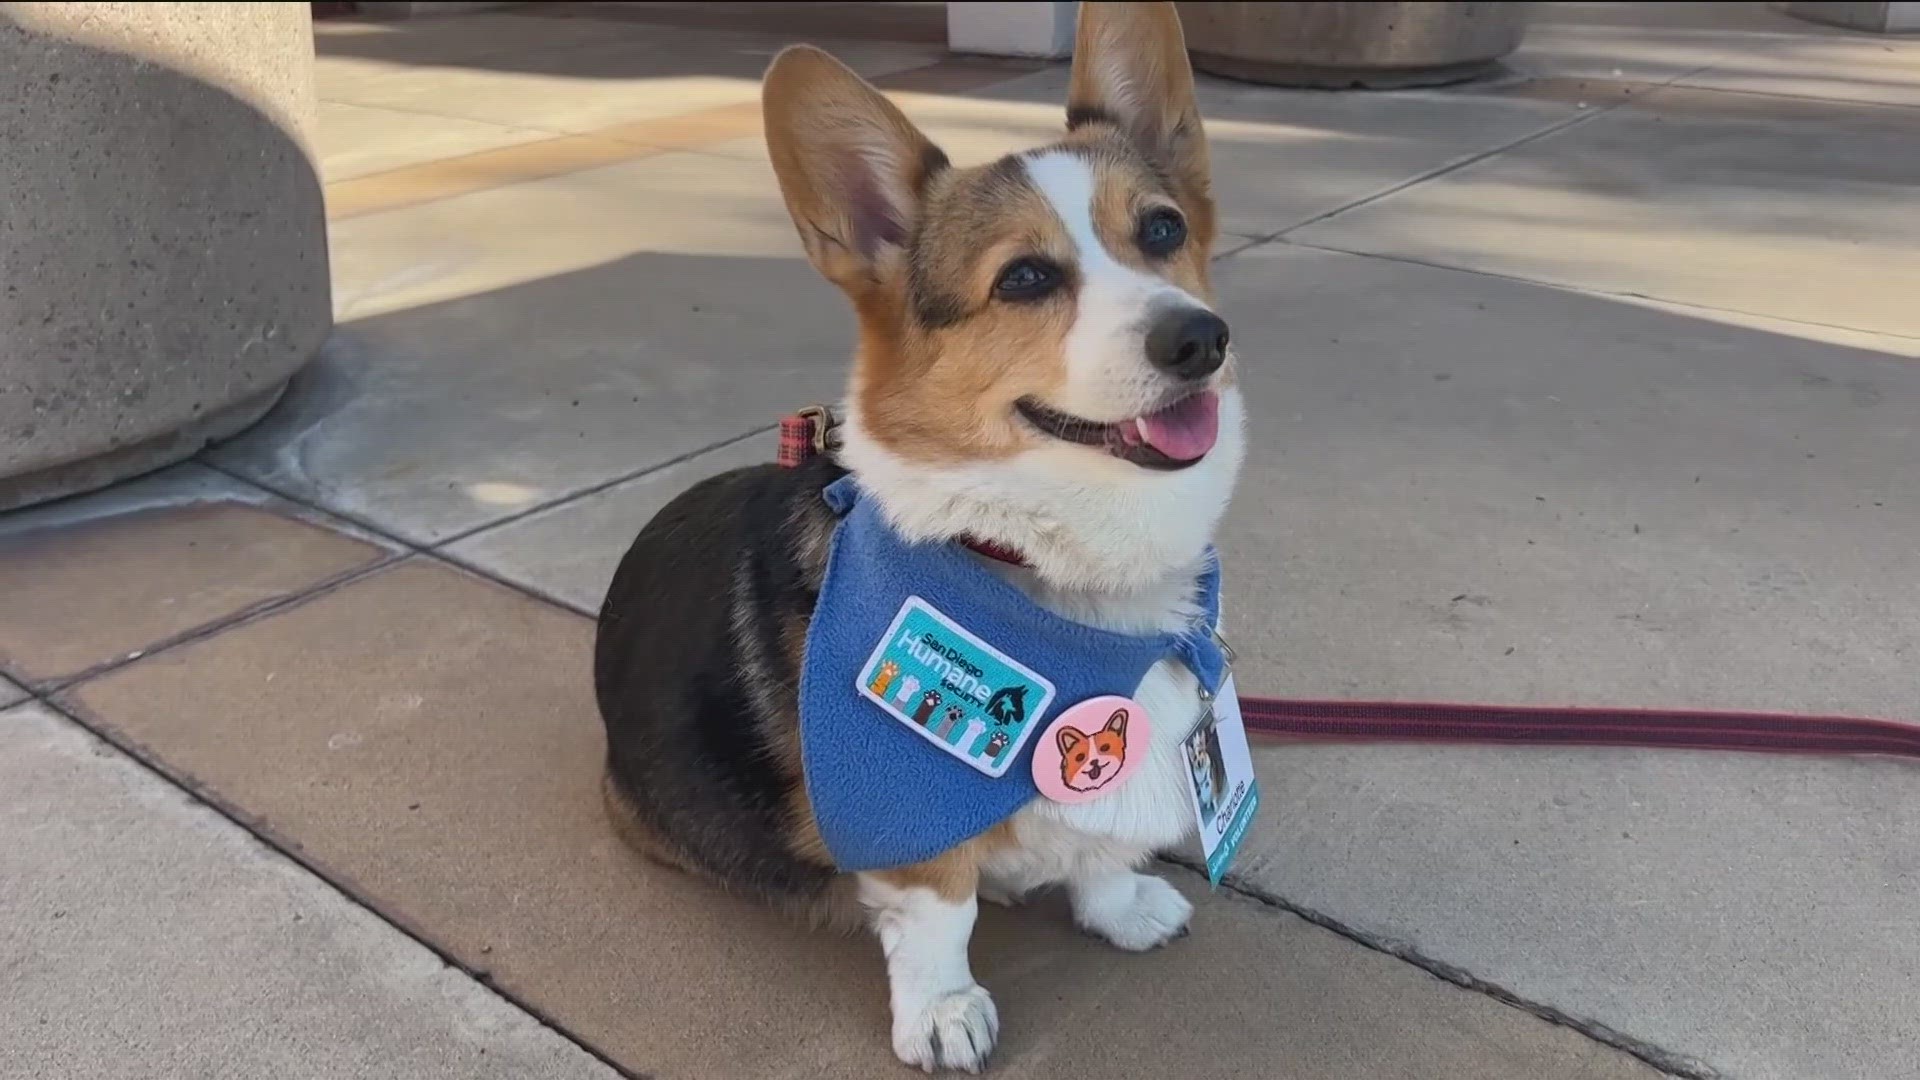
[{"x": 1173, "y": 437}]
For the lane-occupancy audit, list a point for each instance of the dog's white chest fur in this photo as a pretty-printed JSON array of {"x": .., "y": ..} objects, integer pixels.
[{"x": 1153, "y": 809}]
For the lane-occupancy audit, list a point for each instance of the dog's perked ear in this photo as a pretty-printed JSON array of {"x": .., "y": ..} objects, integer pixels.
[
  {"x": 853, "y": 169},
  {"x": 1130, "y": 70}
]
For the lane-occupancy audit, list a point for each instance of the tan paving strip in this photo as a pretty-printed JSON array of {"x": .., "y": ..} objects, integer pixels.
[
  {"x": 85, "y": 596},
  {"x": 449, "y": 177},
  {"x": 427, "y": 740}
]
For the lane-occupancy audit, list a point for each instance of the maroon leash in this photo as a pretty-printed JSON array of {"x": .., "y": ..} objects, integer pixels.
[
  {"x": 1388, "y": 721},
  {"x": 810, "y": 432}
]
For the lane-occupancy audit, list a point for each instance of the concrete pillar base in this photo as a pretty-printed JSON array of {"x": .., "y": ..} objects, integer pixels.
[
  {"x": 1336, "y": 46},
  {"x": 1043, "y": 30},
  {"x": 1880, "y": 18},
  {"x": 92, "y": 473},
  {"x": 163, "y": 262}
]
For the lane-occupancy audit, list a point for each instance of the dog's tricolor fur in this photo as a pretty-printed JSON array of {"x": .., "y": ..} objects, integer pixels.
[{"x": 981, "y": 404}]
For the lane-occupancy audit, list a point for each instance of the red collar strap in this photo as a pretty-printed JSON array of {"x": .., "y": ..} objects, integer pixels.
[
  {"x": 996, "y": 552},
  {"x": 814, "y": 431}
]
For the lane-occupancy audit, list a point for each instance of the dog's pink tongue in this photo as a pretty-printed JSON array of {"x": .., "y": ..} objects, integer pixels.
[{"x": 1186, "y": 430}]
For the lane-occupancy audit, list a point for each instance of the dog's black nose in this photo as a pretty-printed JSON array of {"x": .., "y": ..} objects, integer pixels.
[{"x": 1190, "y": 343}]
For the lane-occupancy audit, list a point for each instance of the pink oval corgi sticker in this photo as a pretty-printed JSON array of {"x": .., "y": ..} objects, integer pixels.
[{"x": 1090, "y": 749}]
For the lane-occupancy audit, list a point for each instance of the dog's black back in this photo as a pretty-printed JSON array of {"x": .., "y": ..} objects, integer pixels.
[{"x": 697, "y": 672}]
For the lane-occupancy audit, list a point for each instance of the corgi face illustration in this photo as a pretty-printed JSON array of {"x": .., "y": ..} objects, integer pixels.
[{"x": 1090, "y": 762}]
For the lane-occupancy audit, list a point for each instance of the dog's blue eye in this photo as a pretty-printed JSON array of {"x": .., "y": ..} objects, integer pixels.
[
  {"x": 1162, "y": 231},
  {"x": 1026, "y": 279}
]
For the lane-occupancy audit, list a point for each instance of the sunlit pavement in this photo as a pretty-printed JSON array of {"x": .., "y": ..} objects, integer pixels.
[{"x": 1595, "y": 383}]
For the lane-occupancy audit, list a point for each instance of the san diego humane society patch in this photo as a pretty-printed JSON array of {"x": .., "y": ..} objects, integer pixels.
[
  {"x": 926, "y": 679},
  {"x": 958, "y": 692}
]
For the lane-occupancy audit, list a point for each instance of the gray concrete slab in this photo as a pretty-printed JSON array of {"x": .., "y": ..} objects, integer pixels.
[
  {"x": 1747, "y": 913},
  {"x": 371, "y": 46},
  {"x": 11, "y": 693},
  {"x": 568, "y": 75},
  {"x": 1789, "y": 207},
  {"x": 569, "y": 553},
  {"x": 597, "y": 324},
  {"x": 1460, "y": 487},
  {"x": 1465, "y": 488},
  {"x": 1654, "y": 42},
  {"x": 146, "y": 936},
  {"x": 1284, "y": 157},
  {"x": 1838, "y": 65},
  {"x": 1280, "y": 158}
]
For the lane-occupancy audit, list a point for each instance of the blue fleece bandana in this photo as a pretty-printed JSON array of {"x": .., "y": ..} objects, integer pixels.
[{"x": 926, "y": 678}]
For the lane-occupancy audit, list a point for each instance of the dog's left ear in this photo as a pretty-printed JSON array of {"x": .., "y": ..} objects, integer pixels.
[
  {"x": 1117, "y": 723},
  {"x": 1130, "y": 69}
]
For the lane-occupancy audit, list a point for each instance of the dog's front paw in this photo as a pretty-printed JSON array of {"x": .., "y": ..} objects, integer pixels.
[
  {"x": 1136, "y": 912},
  {"x": 954, "y": 1031},
  {"x": 1001, "y": 895}
]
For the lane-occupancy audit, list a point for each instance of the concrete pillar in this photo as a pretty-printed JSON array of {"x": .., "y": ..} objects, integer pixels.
[
  {"x": 1882, "y": 18},
  {"x": 163, "y": 266},
  {"x": 1341, "y": 45},
  {"x": 992, "y": 29}
]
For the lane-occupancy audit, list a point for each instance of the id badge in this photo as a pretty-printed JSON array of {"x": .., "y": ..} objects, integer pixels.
[{"x": 1221, "y": 781}]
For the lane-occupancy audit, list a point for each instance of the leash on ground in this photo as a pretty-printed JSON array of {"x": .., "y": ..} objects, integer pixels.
[
  {"x": 811, "y": 432},
  {"x": 1525, "y": 725}
]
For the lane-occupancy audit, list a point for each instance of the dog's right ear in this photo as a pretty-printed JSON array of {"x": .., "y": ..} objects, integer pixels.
[
  {"x": 853, "y": 169},
  {"x": 1130, "y": 69},
  {"x": 1067, "y": 739}
]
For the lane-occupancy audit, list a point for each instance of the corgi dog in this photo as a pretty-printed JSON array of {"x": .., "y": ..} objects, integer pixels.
[
  {"x": 1040, "y": 368},
  {"x": 1090, "y": 762}
]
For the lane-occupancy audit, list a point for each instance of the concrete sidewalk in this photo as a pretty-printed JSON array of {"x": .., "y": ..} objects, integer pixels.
[{"x": 1595, "y": 383}]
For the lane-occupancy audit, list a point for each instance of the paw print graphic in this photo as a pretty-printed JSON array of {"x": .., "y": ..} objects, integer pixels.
[{"x": 889, "y": 671}]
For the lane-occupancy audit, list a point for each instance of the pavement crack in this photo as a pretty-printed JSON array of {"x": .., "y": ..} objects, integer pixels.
[
  {"x": 1580, "y": 290},
  {"x": 1667, "y": 1061},
  {"x": 1438, "y": 171},
  {"x": 1585, "y": 114}
]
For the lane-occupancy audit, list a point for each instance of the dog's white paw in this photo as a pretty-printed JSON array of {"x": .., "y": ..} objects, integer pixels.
[
  {"x": 1136, "y": 912},
  {"x": 1001, "y": 894},
  {"x": 955, "y": 1031}
]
